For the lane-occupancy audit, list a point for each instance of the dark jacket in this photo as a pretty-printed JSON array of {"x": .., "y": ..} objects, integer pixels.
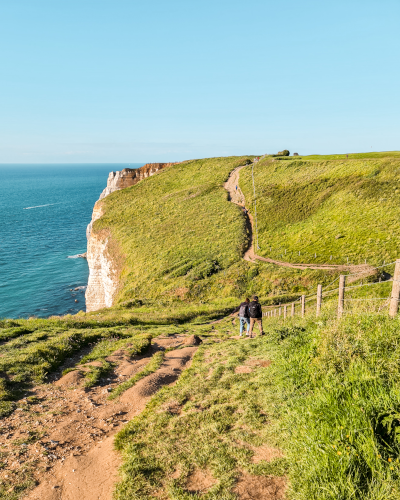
[
  {"x": 255, "y": 310},
  {"x": 244, "y": 308}
]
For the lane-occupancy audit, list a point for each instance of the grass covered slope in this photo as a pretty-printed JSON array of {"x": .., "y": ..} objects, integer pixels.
[
  {"x": 342, "y": 403},
  {"x": 175, "y": 229},
  {"x": 217, "y": 422},
  {"x": 176, "y": 237},
  {"x": 330, "y": 207}
]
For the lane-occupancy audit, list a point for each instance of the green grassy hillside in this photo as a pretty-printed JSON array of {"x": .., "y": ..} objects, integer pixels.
[
  {"x": 324, "y": 392},
  {"x": 176, "y": 237},
  {"x": 174, "y": 230},
  {"x": 334, "y": 209}
]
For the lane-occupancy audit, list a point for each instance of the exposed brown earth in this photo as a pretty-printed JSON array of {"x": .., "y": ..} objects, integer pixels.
[
  {"x": 260, "y": 487},
  {"x": 200, "y": 481},
  {"x": 266, "y": 453},
  {"x": 62, "y": 436},
  {"x": 243, "y": 369}
]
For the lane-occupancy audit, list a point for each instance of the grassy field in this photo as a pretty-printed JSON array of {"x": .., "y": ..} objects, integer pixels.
[
  {"x": 214, "y": 420},
  {"x": 174, "y": 230},
  {"x": 341, "y": 415},
  {"x": 328, "y": 209},
  {"x": 323, "y": 392}
]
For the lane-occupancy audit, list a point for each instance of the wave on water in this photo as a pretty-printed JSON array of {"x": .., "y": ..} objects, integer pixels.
[
  {"x": 77, "y": 256},
  {"x": 40, "y": 206},
  {"x": 80, "y": 288}
]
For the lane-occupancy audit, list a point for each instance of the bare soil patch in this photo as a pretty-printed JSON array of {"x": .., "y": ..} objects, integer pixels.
[
  {"x": 243, "y": 369},
  {"x": 266, "y": 453},
  {"x": 71, "y": 378},
  {"x": 168, "y": 372},
  {"x": 193, "y": 340},
  {"x": 63, "y": 433},
  {"x": 200, "y": 481},
  {"x": 259, "y": 362},
  {"x": 251, "y": 487}
]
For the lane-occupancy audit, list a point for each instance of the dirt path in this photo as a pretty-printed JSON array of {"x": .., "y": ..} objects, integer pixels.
[
  {"x": 235, "y": 195},
  {"x": 66, "y": 441}
]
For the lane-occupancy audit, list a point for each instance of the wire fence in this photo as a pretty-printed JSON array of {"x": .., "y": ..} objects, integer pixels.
[
  {"x": 347, "y": 302},
  {"x": 255, "y": 201}
]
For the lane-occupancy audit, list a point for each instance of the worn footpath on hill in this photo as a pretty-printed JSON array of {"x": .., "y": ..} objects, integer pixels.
[
  {"x": 237, "y": 197},
  {"x": 66, "y": 430}
]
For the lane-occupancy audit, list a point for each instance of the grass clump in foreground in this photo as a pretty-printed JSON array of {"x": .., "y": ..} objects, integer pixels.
[
  {"x": 151, "y": 367},
  {"x": 342, "y": 406},
  {"x": 213, "y": 419}
]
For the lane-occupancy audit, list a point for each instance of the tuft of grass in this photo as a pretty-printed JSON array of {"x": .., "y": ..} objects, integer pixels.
[
  {"x": 68, "y": 370},
  {"x": 95, "y": 373},
  {"x": 152, "y": 366},
  {"x": 131, "y": 343}
]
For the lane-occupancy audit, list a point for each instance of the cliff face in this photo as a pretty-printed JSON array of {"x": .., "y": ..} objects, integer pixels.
[
  {"x": 130, "y": 176},
  {"x": 103, "y": 278}
]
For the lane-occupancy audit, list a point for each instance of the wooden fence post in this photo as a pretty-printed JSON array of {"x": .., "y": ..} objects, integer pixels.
[
  {"x": 342, "y": 286},
  {"x": 280, "y": 310},
  {"x": 293, "y": 306},
  {"x": 274, "y": 312},
  {"x": 319, "y": 299},
  {"x": 303, "y": 306},
  {"x": 285, "y": 311},
  {"x": 394, "y": 301}
]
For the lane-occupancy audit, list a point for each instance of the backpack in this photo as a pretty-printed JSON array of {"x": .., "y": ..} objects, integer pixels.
[
  {"x": 243, "y": 312},
  {"x": 254, "y": 309}
]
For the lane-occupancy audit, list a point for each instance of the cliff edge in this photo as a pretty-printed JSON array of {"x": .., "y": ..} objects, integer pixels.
[
  {"x": 131, "y": 176},
  {"x": 103, "y": 277}
]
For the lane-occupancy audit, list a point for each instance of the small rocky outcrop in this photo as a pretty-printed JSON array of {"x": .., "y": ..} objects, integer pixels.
[
  {"x": 193, "y": 340},
  {"x": 131, "y": 176}
]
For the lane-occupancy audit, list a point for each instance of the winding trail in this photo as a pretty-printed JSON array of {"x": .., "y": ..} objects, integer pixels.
[
  {"x": 235, "y": 195},
  {"x": 91, "y": 474}
]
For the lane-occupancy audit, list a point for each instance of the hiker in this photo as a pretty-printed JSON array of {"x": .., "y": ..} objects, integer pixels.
[
  {"x": 236, "y": 188},
  {"x": 244, "y": 317},
  {"x": 255, "y": 313}
]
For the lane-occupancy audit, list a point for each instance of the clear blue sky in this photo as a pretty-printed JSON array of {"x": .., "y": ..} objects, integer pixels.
[{"x": 138, "y": 81}]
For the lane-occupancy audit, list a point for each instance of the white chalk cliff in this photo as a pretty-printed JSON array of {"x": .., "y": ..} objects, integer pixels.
[{"x": 103, "y": 275}]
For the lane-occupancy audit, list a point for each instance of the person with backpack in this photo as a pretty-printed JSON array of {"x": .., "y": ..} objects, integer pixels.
[
  {"x": 255, "y": 313},
  {"x": 244, "y": 317}
]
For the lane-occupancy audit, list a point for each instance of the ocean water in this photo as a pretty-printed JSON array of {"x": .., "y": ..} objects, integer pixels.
[{"x": 44, "y": 211}]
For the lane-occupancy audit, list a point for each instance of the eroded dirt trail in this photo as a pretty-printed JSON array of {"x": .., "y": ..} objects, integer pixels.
[
  {"x": 236, "y": 196},
  {"x": 72, "y": 453}
]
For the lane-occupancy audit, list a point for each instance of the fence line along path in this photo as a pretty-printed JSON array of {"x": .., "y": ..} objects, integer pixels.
[
  {"x": 235, "y": 195},
  {"x": 392, "y": 301}
]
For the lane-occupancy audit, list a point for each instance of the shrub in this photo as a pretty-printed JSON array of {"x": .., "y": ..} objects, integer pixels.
[{"x": 285, "y": 152}]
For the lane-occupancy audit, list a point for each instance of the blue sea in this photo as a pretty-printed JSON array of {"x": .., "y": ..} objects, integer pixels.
[{"x": 44, "y": 211}]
